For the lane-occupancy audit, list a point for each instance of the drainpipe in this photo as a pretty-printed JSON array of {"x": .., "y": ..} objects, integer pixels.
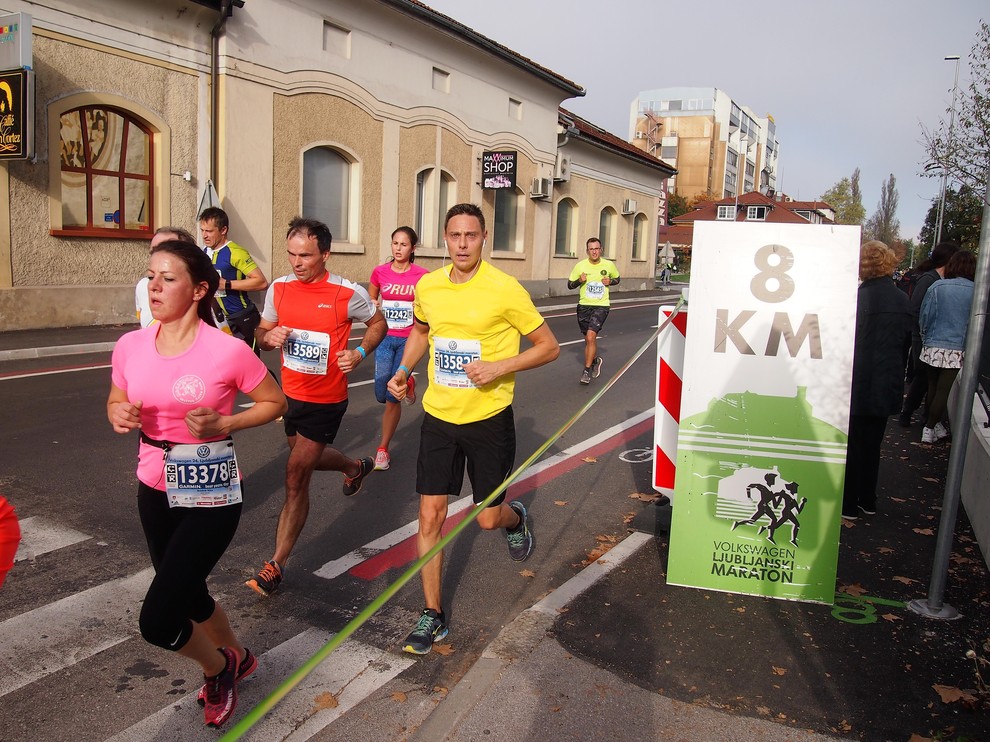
[{"x": 226, "y": 9}]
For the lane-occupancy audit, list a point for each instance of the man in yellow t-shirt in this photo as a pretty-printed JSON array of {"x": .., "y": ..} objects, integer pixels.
[
  {"x": 470, "y": 318},
  {"x": 593, "y": 275}
]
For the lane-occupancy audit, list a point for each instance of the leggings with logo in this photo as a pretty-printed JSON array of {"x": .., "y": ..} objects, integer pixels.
[{"x": 185, "y": 544}]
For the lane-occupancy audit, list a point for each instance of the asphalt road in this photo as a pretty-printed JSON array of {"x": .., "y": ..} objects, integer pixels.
[{"x": 74, "y": 663}]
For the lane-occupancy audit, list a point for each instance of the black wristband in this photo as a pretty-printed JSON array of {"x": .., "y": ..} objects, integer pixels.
[{"x": 228, "y": 284}]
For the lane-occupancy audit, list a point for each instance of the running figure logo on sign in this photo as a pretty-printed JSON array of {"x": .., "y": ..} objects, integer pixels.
[{"x": 778, "y": 506}]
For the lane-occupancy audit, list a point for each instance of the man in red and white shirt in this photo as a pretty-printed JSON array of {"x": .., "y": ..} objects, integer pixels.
[{"x": 309, "y": 316}]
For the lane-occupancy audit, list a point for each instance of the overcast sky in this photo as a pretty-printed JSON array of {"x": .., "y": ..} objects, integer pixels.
[{"x": 848, "y": 82}]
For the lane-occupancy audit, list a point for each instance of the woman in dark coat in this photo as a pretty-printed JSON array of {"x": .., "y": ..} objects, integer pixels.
[{"x": 883, "y": 322}]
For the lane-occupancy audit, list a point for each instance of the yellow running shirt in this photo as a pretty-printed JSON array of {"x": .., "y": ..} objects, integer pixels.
[{"x": 481, "y": 319}]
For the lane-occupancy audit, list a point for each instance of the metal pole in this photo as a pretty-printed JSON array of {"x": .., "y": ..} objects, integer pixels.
[
  {"x": 945, "y": 163},
  {"x": 933, "y": 606}
]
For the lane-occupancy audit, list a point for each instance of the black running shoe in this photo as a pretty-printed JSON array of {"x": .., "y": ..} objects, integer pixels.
[
  {"x": 353, "y": 486},
  {"x": 431, "y": 627}
]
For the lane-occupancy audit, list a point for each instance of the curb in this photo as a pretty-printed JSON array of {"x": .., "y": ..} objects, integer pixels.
[{"x": 518, "y": 639}]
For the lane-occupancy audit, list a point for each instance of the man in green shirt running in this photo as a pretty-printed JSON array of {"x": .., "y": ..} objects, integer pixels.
[{"x": 594, "y": 275}]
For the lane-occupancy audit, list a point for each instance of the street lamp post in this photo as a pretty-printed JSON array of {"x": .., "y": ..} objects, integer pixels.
[{"x": 948, "y": 144}]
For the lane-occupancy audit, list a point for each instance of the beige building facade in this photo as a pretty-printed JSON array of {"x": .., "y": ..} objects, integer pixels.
[{"x": 366, "y": 114}]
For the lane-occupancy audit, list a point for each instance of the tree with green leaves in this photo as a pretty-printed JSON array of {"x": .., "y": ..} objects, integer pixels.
[
  {"x": 960, "y": 219},
  {"x": 676, "y": 206},
  {"x": 847, "y": 200},
  {"x": 884, "y": 225},
  {"x": 959, "y": 145}
]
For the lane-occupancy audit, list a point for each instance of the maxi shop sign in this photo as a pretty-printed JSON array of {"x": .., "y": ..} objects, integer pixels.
[{"x": 764, "y": 411}]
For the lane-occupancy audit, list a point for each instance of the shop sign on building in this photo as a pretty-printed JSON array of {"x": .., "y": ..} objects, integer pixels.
[
  {"x": 498, "y": 170},
  {"x": 16, "y": 114}
]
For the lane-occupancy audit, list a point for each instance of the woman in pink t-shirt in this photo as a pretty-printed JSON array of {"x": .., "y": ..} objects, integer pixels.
[
  {"x": 175, "y": 382},
  {"x": 392, "y": 287}
]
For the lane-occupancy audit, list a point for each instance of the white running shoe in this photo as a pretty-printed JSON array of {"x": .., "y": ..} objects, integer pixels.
[
  {"x": 928, "y": 435},
  {"x": 940, "y": 431}
]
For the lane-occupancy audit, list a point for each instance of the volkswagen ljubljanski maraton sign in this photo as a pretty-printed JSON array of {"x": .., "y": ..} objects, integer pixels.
[
  {"x": 498, "y": 170},
  {"x": 16, "y": 114},
  {"x": 764, "y": 412}
]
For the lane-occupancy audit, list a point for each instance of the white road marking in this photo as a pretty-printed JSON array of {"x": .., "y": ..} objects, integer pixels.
[
  {"x": 355, "y": 671},
  {"x": 39, "y": 536},
  {"x": 49, "y": 373},
  {"x": 60, "y": 634},
  {"x": 339, "y": 566}
]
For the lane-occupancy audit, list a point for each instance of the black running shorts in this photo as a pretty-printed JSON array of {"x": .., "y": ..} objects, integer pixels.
[
  {"x": 317, "y": 422},
  {"x": 486, "y": 447},
  {"x": 591, "y": 318}
]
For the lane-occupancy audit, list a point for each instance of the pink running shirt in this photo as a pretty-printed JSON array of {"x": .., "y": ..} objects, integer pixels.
[
  {"x": 209, "y": 374},
  {"x": 396, "y": 290}
]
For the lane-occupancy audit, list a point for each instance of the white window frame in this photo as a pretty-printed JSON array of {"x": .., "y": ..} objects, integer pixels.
[
  {"x": 349, "y": 235},
  {"x": 725, "y": 213},
  {"x": 756, "y": 213},
  {"x": 511, "y": 243},
  {"x": 607, "y": 232}
]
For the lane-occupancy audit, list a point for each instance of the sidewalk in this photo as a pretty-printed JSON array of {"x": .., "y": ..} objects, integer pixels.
[
  {"x": 617, "y": 654},
  {"x": 67, "y": 341}
]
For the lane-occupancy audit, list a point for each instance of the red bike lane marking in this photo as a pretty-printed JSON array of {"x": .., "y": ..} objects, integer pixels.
[{"x": 404, "y": 553}]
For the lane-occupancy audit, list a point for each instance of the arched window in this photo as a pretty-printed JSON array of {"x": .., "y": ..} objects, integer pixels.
[
  {"x": 640, "y": 237},
  {"x": 565, "y": 236},
  {"x": 606, "y": 232},
  {"x": 506, "y": 220},
  {"x": 326, "y": 193},
  {"x": 107, "y": 179},
  {"x": 435, "y": 193}
]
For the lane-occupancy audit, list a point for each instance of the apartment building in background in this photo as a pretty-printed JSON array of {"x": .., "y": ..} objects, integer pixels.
[{"x": 717, "y": 145}]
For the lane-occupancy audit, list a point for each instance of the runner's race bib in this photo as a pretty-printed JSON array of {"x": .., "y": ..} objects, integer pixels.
[
  {"x": 594, "y": 290},
  {"x": 398, "y": 314},
  {"x": 306, "y": 351},
  {"x": 202, "y": 475},
  {"x": 449, "y": 358}
]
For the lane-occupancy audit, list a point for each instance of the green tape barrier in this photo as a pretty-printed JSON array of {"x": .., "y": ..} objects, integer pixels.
[{"x": 258, "y": 712}]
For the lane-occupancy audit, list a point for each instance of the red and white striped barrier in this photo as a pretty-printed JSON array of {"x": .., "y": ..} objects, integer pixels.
[{"x": 670, "y": 370}]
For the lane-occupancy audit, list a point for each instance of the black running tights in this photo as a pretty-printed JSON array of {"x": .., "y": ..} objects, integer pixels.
[{"x": 185, "y": 544}]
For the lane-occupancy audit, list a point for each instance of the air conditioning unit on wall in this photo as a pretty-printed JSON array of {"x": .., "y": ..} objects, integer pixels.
[
  {"x": 562, "y": 168},
  {"x": 628, "y": 206},
  {"x": 541, "y": 188}
]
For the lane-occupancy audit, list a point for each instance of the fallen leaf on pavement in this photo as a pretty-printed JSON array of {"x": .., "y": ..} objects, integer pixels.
[
  {"x": 905, "y": 580},
  {"x": 399, "y": 697},
  {"x": 445, "y": 649},
  {"x": 885, "y": 550},
  {"x": 924, "y": 531},
  {"x": 642, "y": 497},
  {"x": 763, "y": 710},
  {"x": 930, "y": 479},
  {"x": 891, "y": 617},
  {"x": 560, "y": 502},
  {"x": 779, "y": 670},
  {"x": 848, "y": 523},
  {"x": 590, "y": 460},
  {"x": 919, "y": 738},
  {"x": 527, "y": 573},
  {"x": 325, "y": 701},
  {"x": 555, "y": 709},
  {"x": 440, "y": 689},
  {"x": 950, "y": 694},
  {"x": 854, "y": 589}
]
